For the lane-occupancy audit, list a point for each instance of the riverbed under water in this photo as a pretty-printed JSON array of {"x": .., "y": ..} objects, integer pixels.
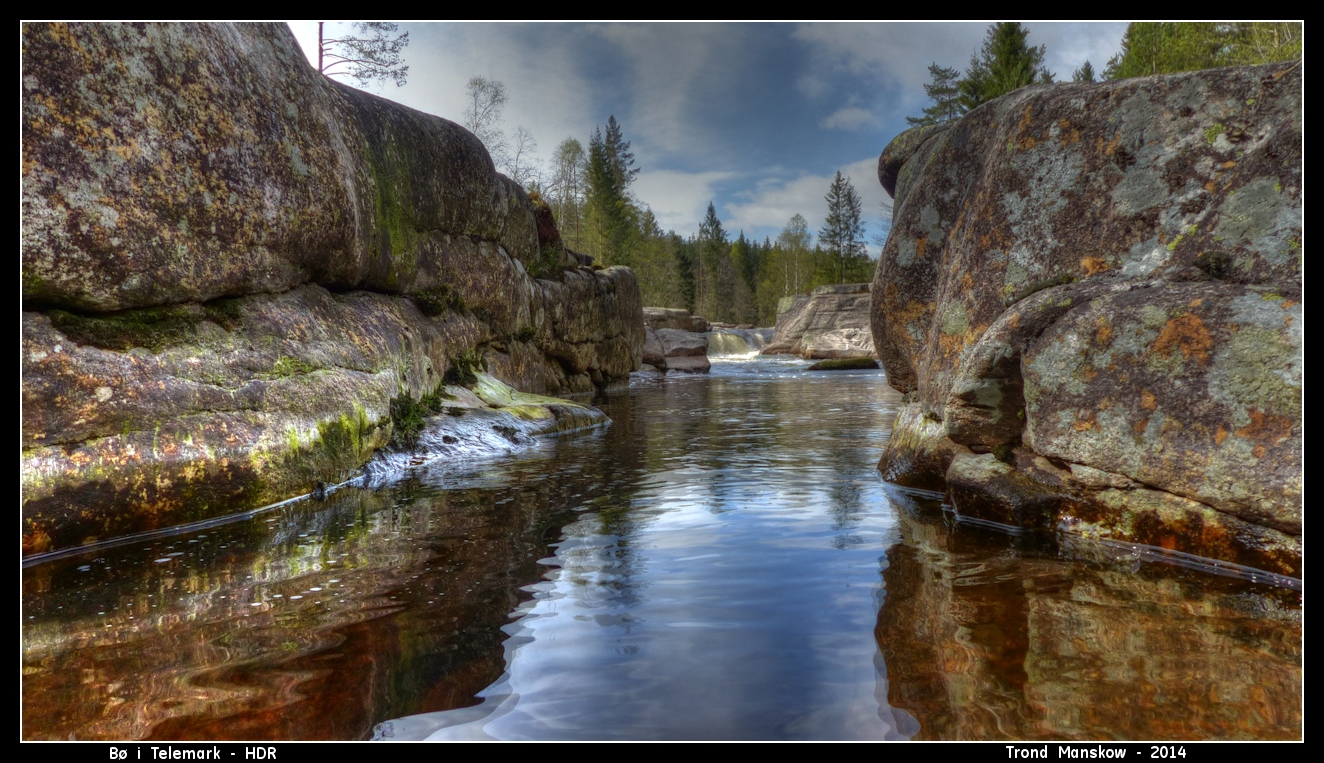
[{"x": 722, "y": 562}]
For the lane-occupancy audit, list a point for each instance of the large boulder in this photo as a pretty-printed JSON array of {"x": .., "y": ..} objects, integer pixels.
[
  {"x": 830, "y": 322},
  {"x": 234, "y": 271},
  {"x": 1106, "y": 276}
]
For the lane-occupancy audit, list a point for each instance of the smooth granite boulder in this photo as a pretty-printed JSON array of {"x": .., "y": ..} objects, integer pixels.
[{"x": 1108, "y": 276}]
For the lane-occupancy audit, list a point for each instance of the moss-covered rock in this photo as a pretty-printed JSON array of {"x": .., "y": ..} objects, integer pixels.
[{"x": 192, "y": 196}]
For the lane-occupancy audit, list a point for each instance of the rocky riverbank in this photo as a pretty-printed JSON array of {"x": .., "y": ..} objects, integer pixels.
[
  {"x": 236, "y": 270},
  {"x": 1091, "y": 296}
]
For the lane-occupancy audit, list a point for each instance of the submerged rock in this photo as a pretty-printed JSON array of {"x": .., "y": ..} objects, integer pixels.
[
  {"x": 1098, "y": 287},
  {"x": 831, "y": 322},
  {"x": 232, "y": 265},
  {"x": 843, "y": 364}
]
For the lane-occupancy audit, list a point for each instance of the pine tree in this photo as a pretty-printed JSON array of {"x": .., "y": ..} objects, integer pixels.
[
  {"x": 1005, "y": 63},
  {"x": 620, "y": 160},
  {"x": 712, "y": 250},
  {"x": 1084, "y": 74},
  {"x": 610, "y": 215},
  {"x": 1166, "y": 47},
  {"x": 945, "y": 91},
  {"x": 843, "y": 231}
]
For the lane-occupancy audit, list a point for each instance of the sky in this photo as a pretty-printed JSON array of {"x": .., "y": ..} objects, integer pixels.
[{"x": 755, "y": 118}]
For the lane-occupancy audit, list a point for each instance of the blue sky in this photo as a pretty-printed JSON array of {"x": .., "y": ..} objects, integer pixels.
[{"x": 756, "y": 118}]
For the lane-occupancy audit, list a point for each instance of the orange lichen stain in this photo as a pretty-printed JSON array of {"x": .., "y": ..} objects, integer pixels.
[
  {"x": 921, "y": 244},
  {"x": 1083, "y": 426},
  {"x": 913, "y": 312},
  {"x": 1014, "y": 321},
  {"x": 1210, "y": 187},
  {"x": 951, "y": 344},
  {"x": 1229, "y": 164},
  {"x": 1220, "y": 435},
  {"x": 1188, "y": 334},
  {"x": 1147, "y": 400},
  {"x": 1140, "y": 426},
  {"x": 1111, "y": 148},
  {"x": 1025, "y": 120},
  {"x": 1195, "y": 302},
  {"x": 1288, "y": 303},
  {"x": 1092, "y": 265},
  {"x": 1105, "y": 404},
  {"x": 1104, "y": 335},
  {"x": 1265, "y": 429},
  {"x": 1089, "y": 373},
  {"x": 1069, "y": 134}
]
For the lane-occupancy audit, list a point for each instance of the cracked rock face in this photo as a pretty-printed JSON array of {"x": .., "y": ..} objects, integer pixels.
[
  {"x": 831, "y": 322},
  {"x": 232, "y": 265},
  {"x": 1107, "y": 276}
]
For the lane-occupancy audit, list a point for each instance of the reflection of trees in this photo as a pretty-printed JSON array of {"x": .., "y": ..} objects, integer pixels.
[{"x": 984, "y": 643}]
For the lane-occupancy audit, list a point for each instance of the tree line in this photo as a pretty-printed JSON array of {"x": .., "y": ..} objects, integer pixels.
[
  {"x": 1006, "y": 61},
  {"x": 708, "y": 272},
  {"x": 742, "y": 280}
]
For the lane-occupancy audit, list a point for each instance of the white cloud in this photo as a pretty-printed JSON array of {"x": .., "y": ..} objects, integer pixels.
[
  {"x": 849, "y": 118},
  {"x": 679, "y": 200}
]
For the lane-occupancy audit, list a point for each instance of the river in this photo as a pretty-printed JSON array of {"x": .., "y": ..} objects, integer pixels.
[{"x": 722, "y": 562}]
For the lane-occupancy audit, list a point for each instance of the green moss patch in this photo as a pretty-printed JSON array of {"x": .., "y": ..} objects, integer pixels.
[
  {"x": 408, "y": 416},
  {"x": 154, "y": 328},
  {"x": 463, "y": 368},
  {"x": 436, "y": 301},
  {"x": 287, "y": 366}
]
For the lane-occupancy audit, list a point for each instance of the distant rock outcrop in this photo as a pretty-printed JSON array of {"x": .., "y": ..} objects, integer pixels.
[
  {"x": 1091, "y": 295},
  {"x": 686, "y": 351},
  {"x": 234, "y": 268},
  {"x": 830, "y": 322},
  {"x": 673, "y": 318}
]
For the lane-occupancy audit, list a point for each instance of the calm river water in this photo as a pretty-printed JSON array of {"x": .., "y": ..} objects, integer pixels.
[{"x": 722, "y": 562}]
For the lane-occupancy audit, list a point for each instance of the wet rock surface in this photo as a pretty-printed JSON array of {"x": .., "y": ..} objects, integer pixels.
[
  {"x": 831, "y": 322},
  {"x": 233, "y": 265},
  {"x": 1108, "y": 277}
]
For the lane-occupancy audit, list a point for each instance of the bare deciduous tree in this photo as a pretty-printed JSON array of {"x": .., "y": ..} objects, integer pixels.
[{"x": 370, "y": 55}]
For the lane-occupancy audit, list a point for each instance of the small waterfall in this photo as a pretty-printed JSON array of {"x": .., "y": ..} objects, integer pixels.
[{"x": 737, "y": 343}]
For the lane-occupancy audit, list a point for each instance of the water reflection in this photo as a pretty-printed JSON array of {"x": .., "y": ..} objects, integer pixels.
[
  {"x": 721, "y": 562},
  {"x": 987, "y": 636}
]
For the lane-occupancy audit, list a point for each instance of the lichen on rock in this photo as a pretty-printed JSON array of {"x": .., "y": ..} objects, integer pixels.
[{"x": 1107, "y": 276}]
